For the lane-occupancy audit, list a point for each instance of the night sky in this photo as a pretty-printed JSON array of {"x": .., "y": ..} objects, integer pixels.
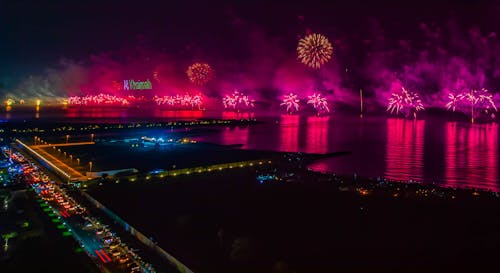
[{"x": 37, "y": 35}]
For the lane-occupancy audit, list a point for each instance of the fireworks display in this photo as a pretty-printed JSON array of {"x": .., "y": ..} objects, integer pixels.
[
  {"x": 314, "y": 50},
  {"x": 200, "y": 73},
  {"x": 406, "y": 103},
  {"x": 180, "y": 101},
  {"x": 319, "y": 103},
  {"x": 100, "y": 99},
  {"x": 481, "y": 100},
  {"x": 237, "y": 101},
  {"x": 156, "y": 76},
  {"x": 291, "y": 102}
]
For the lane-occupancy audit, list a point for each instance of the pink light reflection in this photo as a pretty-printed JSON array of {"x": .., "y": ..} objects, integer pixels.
[
  {"x": 289, "y": 133},
  {"x": 236, "y": 115},
  {"x": 235, "y": 135},
  {"x": 317, "y": 134},
  {"x": 404, "y": 149},
  {"x": 472, "y": 155},
  {"x": 179, "y": 114},
  {"x": 96, "y": 112}
]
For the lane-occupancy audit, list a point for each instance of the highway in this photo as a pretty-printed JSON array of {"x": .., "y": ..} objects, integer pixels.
[{"x": 102, "y": 245}]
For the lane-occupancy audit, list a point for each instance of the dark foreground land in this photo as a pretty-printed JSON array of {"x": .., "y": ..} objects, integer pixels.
[
  {"x": 229, "y": 222},
  {"x": 39, "y": 246}
]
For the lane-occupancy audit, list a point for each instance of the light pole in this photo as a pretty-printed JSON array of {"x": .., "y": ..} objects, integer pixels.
[
  {"x": 91, "y": 137},
  {"x": 90, "y": 166},
  {"x": 78, "y": 161},
  {"x": 67, "y": 138}
]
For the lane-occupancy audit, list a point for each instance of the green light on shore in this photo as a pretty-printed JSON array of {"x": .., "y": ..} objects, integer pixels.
[
  {"x": 61, "y": 227},
  {"x": 79, "y": 250},
  {"x": 56, "y": 220},
  {"x": 66, "y": 234}
]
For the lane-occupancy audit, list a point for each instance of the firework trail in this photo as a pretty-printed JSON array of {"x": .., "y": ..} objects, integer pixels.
[
  {"x": 319, "y": 103},
  {"x": 200, "y": 73},
  {"x": 406, "y": 102},
  {"x": 291, "y": 102},
  {"x": 156, "y": 76},
  {"x": 314, "y": 50},
  {"x": 481, "y": 100}
]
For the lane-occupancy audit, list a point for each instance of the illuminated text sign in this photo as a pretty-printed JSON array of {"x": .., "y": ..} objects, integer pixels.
[{"x": 133, "y": 85}]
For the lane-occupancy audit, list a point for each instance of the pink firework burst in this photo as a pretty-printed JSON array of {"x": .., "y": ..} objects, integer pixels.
[
  {"x": 100, "y": 99},
  {"x": 237, "y": 101},
  {"x": 291, "y": 102},
  {"x": 480, "y": 101},
  {"x": 196, "y": 101},
  {"x": 229, "y": 101},
  {"x": 181, "y": 101},
  {"x": 406, "y": 103},
  {"x": 319, "y": 103}
]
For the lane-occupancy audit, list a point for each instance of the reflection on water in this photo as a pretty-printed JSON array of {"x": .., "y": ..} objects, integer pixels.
[
  {"x": 235, "y": 135},
  {"x": 454, "y": 153},
  {"x": 471, "y": 154},
  {"x": 404, "y": 149},
  {"x": 178, "y": 114},
  {"x": 100, "y": 112},
  {"x": 289, "y": 133},
  {"x": 317, "y": 134},
  {"x": 237, "y": 115}
]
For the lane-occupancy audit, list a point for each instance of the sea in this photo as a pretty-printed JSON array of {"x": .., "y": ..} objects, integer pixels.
[{"x": 430, "y": 149}]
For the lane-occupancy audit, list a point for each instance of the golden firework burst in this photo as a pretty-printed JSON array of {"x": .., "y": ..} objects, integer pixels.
[
  {"x": 200, "y": 73},
  {"x": 314, "y": 50}
]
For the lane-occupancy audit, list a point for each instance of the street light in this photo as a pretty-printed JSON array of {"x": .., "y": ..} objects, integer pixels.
[
  {"x": 91, "y": 137},
  {"x": 90, "y": 166},
  {"x": 67, "y": 138},
  {"x": 78, "y": 161}
]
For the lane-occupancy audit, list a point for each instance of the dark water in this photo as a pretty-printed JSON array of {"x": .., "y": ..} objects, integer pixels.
[{"x": 432, "y": 149}]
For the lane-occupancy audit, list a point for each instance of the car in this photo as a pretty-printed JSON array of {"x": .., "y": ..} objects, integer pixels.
[
  {"x": 123, "y": 259},
  {"x": 107, "y": 239},
  {"x": 114, "y": 245},
  {"x": 99, "y": 231}
]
